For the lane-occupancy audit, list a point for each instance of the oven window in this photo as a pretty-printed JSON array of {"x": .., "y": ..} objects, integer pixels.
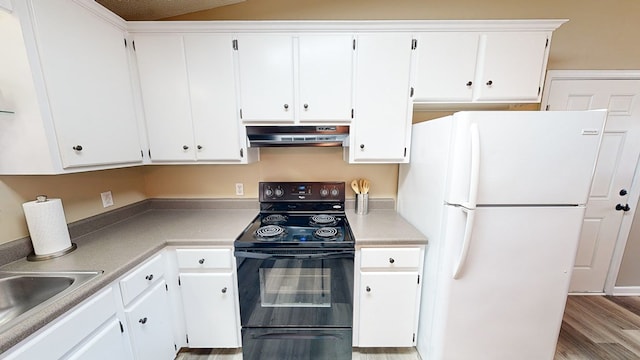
[{"x": 295, "y": 287}]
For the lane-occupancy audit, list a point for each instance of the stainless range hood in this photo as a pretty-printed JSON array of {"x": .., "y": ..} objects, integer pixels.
[{"x": 281, "y": 136}]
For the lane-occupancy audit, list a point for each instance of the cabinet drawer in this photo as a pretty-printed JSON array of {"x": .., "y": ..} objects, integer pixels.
[
  {"x": 141, "y": 278},
  {"x": 204, "y": 258},
  {"x": 390, "y": 258}
]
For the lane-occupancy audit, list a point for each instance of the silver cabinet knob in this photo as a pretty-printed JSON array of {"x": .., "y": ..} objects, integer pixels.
[
  {"x": 489, "y": 83},
  {"x": 143, "y": 320},
  {"x": 149, "y": 277},
  {"x": 224, "y": 290},
  {"x": 362, "y": 146},
  {"x": 201, "y": 261},
  {"x": 306, "y": 106},
  {"x": 286, "y": 106},
  {"x": 368, "y": 289},
  {"x": 185, "y": 147},
  {"x": 199, "y": 147},
  {"x": 469, "y": 83},
  {"x": 391, "y": 260},
  {"x": 77, "y": 148}
]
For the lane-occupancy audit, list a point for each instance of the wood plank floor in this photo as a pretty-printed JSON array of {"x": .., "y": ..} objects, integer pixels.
[{"x": 593, "y": 328}]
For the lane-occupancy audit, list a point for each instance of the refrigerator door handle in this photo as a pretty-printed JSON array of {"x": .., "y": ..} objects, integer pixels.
[
  {"x": 466, "y": 243},
  {"x": 474, "y": 176}
]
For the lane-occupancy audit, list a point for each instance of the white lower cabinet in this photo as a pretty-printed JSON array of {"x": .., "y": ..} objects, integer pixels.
[
  {"x": 82, "y": 333},
  {"x": 209, "y": 297},
  {"x": 209, "y": 310},
  {"x": 387, "y": 296},
  {"x": 149, "y": 325}
]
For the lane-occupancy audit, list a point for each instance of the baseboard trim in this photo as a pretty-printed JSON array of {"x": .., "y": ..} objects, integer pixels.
[{"x": 626, "y": 291}]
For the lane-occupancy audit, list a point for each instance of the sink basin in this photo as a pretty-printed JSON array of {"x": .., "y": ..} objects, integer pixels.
[{"x": 25, "y": 292}]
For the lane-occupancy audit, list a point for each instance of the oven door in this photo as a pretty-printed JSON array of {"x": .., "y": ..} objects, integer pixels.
[{"x": 295, "y": 287}]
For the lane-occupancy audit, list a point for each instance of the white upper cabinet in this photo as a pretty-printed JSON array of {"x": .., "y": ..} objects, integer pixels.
[
  {"x": 475, "y": 66},
  {"x": 72, "y": 103},
  {"x": 382, "y": 124},
  {"x": 189, "y": 98},
  {"x": 287, "y": 79}
]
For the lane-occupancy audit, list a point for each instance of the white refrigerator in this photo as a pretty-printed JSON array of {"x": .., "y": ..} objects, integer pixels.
[{"x": 501, "y": 198}]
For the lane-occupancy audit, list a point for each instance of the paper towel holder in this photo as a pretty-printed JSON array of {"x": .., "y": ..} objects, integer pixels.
[{"x": 34, "y": 257}]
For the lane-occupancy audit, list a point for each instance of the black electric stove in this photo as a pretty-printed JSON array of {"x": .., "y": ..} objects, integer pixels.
[{"x": 295, "y": 214}]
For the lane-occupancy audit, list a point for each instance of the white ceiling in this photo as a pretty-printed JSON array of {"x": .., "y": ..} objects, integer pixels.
[{"x": 160, "y": 9}]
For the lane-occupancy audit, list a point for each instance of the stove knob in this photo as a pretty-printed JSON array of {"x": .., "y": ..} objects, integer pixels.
[
  {"x": 268, "y": 192},
  {"x": 324, "y": 192},
  {"x": 279, "y": 192},
  {"x": 335, "y": 192}
]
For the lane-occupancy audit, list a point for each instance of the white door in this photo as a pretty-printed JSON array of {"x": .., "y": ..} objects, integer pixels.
[
  {"x": 265, "y": 66},
  {"x": 614, "y": 172},
  {"x": 326, "y": 77},
  {"x": 209, "y": 310},
  {"x": 508, "y": 298},
  {"x": 525, "y": 157}
]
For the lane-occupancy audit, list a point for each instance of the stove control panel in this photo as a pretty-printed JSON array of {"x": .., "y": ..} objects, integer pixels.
[{"x": 301, "y": 191}]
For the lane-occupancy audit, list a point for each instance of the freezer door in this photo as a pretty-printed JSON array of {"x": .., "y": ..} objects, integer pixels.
[
  {"x": 508, "y": 299},
  {"x": 524, "y": 157}
]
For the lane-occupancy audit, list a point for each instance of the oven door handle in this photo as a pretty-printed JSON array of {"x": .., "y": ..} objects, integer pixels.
[{"x": 321, "y": 255}]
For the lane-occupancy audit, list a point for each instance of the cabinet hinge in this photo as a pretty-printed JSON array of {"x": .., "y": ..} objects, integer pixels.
[
  {"x": 133, "y": 44},
  {"x": 539, "y": 89},
  {"x": 241, "y": 153},
  {"x": 418, "y": 279},
  {"x": 187, "y": 336},
  {"x": 547, "y": 107},
  {"x": 141, "y": 153},
  {"x": 414, "y": 337},
  {"x": 125, "y": 42},
  {"x": 352, "y": 113},
  {"x": 414, "y": 44},
  {"x": 546, "y": 45},
  {"x": 149, "y": 153},
  {"x": 121, "y": 326},
  {"x": 166, "y": 287},
  {"x": 234, "y": 43},
  {"x": 240, "y": 114},
  {"x": 405, "y": 152},
  {"x": 354, "y": 44},
  {"x": 175, "y": 347},
  {"x": 179, "y": 282},
  {"x": 411, "y": 94}
]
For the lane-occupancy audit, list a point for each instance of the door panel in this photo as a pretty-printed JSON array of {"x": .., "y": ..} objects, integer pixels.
[{"x": 614, "y": 171}]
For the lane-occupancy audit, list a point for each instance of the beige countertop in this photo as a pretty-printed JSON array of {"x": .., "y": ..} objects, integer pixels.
[{"x": 119, "y": 247}]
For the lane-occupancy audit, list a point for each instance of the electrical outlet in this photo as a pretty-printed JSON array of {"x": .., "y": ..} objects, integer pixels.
[
  {"x": 107, "y": 199},
  {"x": 239, "y": 189}
]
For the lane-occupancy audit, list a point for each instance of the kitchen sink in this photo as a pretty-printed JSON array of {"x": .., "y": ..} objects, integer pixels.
[{"x": 22, "y": 293}]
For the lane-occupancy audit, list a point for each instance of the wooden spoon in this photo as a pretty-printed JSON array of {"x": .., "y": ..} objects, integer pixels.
[
  {"x": 355, "y": 187},
  {"x": 364, "y": 188}
]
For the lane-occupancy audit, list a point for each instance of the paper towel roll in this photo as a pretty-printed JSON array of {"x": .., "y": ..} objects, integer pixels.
[{"x": 47, "y": 226}]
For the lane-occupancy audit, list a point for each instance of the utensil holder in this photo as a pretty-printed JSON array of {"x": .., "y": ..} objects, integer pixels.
[{"x": 362, "y": 204}]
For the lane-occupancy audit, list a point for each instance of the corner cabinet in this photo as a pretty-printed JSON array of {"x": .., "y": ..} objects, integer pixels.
[
  {"x": 302, "y": 78},
  {"x": 189, "y": 98},
  {"x": 387, "y": 299},
  {"x": 71, "y": 92},
  {"x": 381, "y": 130}
]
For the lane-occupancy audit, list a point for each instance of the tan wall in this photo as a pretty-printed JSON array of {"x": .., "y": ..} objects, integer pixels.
[
  {"x": 80, "y": 194},
  {"x": 276, "y": 164}
]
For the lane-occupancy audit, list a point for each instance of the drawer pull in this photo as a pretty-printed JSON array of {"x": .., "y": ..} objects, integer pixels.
[
  {"x": 201, "y": 261},
  {"x": 391, "y": 260},
  {"x": 224, "y": 290},
  {"x": 368, "y": 289},
  {"x": 149, "y": 277},
  {"x": 143, "y": 320}
]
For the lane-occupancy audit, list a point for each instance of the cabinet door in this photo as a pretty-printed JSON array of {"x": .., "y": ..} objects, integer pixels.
[
  {"x": 107, "y": 344},
  {"x": 265, "y": 65},
  {"x": 165, "y": 96},
  {"x": 209, "y": 309},
  {"x": 382, "y": 122},
  {"x": 88, "y": 85},
  {"x": 326, "y": 77},
  {"x": 212, "y": 88},
  {"x": 387, "y": 309},
  {"x": 511, "y": 66},
  {"x": 150, "y": 327},
  {"x": 446, "y": 66}
]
